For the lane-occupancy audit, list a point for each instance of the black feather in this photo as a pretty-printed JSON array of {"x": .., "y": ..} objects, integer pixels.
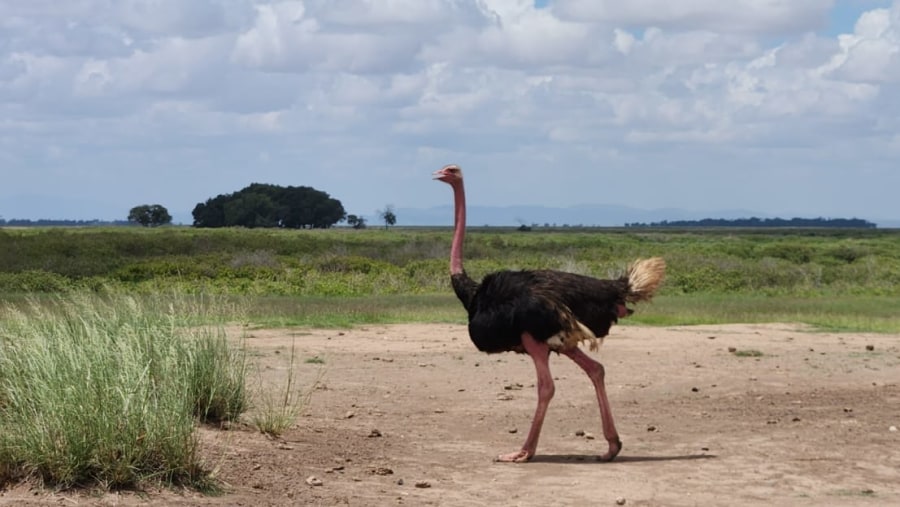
[{"x": 509, "y": 303}]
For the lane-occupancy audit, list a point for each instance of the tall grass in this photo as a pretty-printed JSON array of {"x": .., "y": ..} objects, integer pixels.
[{"x": 108, "y": 390}]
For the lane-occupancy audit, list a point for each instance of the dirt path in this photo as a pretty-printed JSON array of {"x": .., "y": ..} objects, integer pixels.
[{"x": 807, "y": 423}]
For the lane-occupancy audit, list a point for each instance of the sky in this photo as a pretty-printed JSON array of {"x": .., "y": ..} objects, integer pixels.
[{"x": 785, "y": 107}]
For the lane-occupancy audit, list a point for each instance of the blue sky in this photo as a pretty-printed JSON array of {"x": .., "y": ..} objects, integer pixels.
[{"x": 783, "y": 107}]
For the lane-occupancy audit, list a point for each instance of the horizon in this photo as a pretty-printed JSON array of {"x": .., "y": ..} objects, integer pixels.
[{"x": 785, "y": 108}]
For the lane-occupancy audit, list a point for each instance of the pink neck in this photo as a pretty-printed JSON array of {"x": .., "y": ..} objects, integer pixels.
[{"x": 459, "y": 232}]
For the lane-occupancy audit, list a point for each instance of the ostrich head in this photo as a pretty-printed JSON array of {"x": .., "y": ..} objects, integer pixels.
[{"x": 450, "y": 174}]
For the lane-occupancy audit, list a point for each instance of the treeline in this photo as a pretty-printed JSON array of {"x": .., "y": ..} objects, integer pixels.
[
  {"x": 45, "y": 222},
  {"x": 837, "y": 223},
  {"x": 265, "y": 205}
]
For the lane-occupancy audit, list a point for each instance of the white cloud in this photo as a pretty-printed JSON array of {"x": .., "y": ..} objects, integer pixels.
[
  {"x": 679, "y": 93},
  {"x": 753, "y": 16}
]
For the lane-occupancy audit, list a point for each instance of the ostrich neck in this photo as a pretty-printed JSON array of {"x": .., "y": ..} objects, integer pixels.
[{"x": 459, "y": 233}]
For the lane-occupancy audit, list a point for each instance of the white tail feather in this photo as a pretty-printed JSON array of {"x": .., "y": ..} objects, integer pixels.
[{"x": 644, "y": 278}]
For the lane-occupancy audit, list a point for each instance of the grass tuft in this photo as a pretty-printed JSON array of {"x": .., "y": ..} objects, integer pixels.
[{"x": 106, "y": 390}]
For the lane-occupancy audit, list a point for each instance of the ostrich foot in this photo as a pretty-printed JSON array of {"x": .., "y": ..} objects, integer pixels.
[
  {"x": 615, "y": 446},
  {"x": 515, "y": 457}
]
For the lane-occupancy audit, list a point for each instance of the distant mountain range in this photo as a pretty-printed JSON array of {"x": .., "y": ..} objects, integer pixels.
[{"x": 586, "y": 215}]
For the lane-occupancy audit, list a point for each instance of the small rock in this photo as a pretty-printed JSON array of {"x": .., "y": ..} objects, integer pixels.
[
  {"x": 400, "y": 481},
  {"x": 620, "y": 500},
  {"x": 579, "y": 433},
  {"x": 382, "y": 471},
  {"x": 513, "y": 387},
  {"x": 848, "y": 410},
  {"x": 257, "y": 466},
  {"x": 711, "y": 337},
  {"x": 589, "y": 436},
  {"x": 423, "y": 484},
  {"x": 732, "y": 349},
  {"x": 438, "y": 411},
  {"x": 312, "y": 480},
  {"x": 796, "y": 419},
  {"x": 513, "y": 430},
  {"x": 893, "y": 429},
  {"x": 504, "y": 397},
  {"x": 704, "y": 448},
  {"x": 374, "y": 433},
  {"x": 695, "y": 389},
  {"x": 870, "y": 347},
  {"x": 349, "y": 414},
  {"x": 652, "y": 428}
]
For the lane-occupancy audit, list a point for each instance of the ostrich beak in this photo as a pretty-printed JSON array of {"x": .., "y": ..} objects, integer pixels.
[{"x": 437, "y": 174}]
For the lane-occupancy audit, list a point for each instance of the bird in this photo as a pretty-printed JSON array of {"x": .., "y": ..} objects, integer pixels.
[{"x": 537, "y": 312}]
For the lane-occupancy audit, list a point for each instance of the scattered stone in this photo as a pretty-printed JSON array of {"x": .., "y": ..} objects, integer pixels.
[
  {"x": 589, "y": 436},
  {"x": 893, "y": 429},
  {"x": 312, "y": 480},
  {"x": 382, "y": 471},
  {"x": 579, "y": 433},
  {"x": 257, "y": 466},
  {"x": 870, "y": 347},
  {"x": 504, "y": 397},
  {"x": 848, "y": 410},
  {"x": 695, "y": 389},
  {"x": 349, "y": 414},
  {"x": 711, "y": 337},
  {"x": 620, "y": 500},
  {"x": 423, "y": 484},
  {"x": 796, "y": 419},
  {"x": 438, "y": 411},
  {"x": 771, "y": 421},
  {"x": 732, "y": 349},
  {"x": 284, "y": 447},
  {"x": 704, "y": 448},
  {"x": 513, "y": 387},
  {"x": 331, "y": 470},
  {"x": 513, "y": 430},
  {"x": 374, "y": 433},
  {"x": 400, "y": 481},
  {"x": 652, "y": 428}
]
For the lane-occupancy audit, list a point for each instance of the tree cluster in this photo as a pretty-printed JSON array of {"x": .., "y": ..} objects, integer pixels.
[
  {"x": 149, "y": 215},
  {"x": 265, "y": 205},
  {"x": 842, "y": 223}
]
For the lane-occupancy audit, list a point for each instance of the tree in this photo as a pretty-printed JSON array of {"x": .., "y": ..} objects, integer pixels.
[
  {"x": 150, "y": 215},
  {"x": 356, "y": 222},
  {"x": 388, "y": 215},
  {"x": 265, "y": 205}
]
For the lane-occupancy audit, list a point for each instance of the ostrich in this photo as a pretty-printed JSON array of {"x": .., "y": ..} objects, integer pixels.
[{"x": 539, "y": 311}]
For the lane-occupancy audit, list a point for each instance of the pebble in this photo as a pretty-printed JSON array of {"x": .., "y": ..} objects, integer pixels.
[
  {"x": 695, "y": 389},
  {"x": 382, "y": 471},
  {"x": 504, "y": 397},
  {"x": 400, "y": 481},
  {"x": 652, "y": 428},
  {"x": 870, "y": 347},
  {"x": 374, "y": 433},
  {"x": 893, "y": 429},
  {"x": 312, "y": 480},
  {"x": 620, "y": 500},
  {"x": 732, "y": 349},
  {"x": 589, "y": 436},
  {"x": 423, "y": 484},
  {"x": 349, "y": 414},
  {"x": 579, "y": 433},
  {"x": 513, "y": 430}
]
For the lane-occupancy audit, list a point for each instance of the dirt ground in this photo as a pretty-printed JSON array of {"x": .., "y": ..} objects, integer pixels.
[{"x": 413, "y": 415}]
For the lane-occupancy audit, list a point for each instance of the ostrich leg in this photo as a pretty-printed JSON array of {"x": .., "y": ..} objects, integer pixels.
[
  {"x": 540, "y": 354},
  {"x": 596, "y": 373}
]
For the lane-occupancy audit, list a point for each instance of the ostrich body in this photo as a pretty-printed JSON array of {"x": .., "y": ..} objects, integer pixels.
[{"x": 539, "y": 311}]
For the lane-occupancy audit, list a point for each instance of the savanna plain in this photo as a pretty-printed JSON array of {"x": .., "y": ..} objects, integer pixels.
[{"x": 180, "y": 366}]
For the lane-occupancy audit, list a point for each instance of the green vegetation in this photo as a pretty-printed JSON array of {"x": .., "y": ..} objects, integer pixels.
[
  {"x": 106, "y": 389},
  {"x": 747, "y": 353},
  {"x": 279, "y": 407},
  {"x": 840, "y": 279}
]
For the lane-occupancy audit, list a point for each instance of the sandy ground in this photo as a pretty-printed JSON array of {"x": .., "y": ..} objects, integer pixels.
[{"x": 413, "y": 415}]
